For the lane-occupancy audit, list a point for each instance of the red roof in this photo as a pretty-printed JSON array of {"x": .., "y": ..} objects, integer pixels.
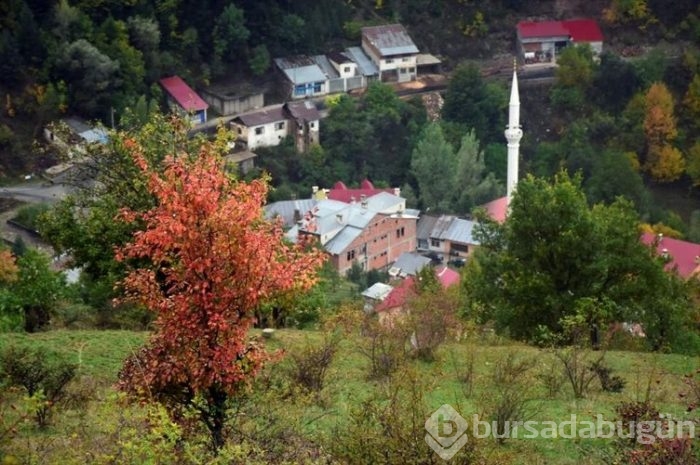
[
  {"x": 684, "y": 257},
  {"x": 398, "y": 296},
  {"x": 183, "y": 94},
  {"x": 497, "y": 209},
  {"x": 580, "y": 30},
  {"x": 341, "y": 193},
  {"x": 446, "y": 276}
]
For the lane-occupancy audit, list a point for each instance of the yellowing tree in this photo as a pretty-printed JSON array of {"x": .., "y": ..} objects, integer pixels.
[
  {"x": 659, "y": 120},
  {"x": 666, "y": 163}
]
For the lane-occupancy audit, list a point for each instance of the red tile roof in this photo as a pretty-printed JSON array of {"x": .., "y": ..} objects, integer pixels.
[
  {"x": 183, "y": 94},
  {"x": 684, "y": 257},
  {"x": 398, "y": 296},
  {"x": 580, "y": 30},
  {"x": 341, "y": 193},
  {"x": 497, "y": 209}
]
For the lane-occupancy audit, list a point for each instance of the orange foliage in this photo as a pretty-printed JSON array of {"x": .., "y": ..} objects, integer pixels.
[
  {"x": 213, "y": 261},
  {"x": 8, "y": 267}
]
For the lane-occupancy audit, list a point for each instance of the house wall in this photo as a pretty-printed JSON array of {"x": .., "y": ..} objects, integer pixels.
[
  {"x": 233, "y": 105},
  {"x": 270, "y": 134},
  {"x": 305, "y": 134},
  {"x": 310, "y": 89},
  {"x": 380, "y": 244}
]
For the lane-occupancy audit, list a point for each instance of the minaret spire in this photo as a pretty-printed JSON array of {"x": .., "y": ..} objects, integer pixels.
[{"x": 513, "y": 135}]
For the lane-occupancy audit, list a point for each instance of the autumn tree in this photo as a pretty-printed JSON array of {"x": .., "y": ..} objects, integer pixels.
[
  {"x": 664, "y": 162},
  {"x": 209, "y": 259}
]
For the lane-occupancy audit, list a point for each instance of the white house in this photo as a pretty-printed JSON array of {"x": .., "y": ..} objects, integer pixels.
[
  {"x": 265, "y": 127},
  {"x": 392, "y": 51},
  {"x": 268, "y": 126},
  {"x": 305, "y": 76}
]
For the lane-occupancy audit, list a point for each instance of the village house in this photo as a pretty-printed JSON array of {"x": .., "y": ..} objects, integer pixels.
[
  {"x": 184, "y": 100},
  {"x": 304, "y": 76},
  {"x": 373, "y": 232},
  {"x": 542, "y": 41},
  {"x": 268, "y": 126},
  {"x": 72, "y": 136},
  {"x": 392, "y": 50},
  {"x": 446, "y": 236},
  {"x": 681, "y": 257}
]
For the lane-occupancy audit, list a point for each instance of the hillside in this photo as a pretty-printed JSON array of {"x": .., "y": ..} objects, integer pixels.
[{"x": 95, "y": 423}]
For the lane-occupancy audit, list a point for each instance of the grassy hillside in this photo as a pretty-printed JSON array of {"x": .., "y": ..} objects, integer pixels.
[{"x": 99, "y": 424}]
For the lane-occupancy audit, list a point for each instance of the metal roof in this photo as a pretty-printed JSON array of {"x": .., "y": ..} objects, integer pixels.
[
  {"x": 286, "y": 209},
  {"x": 326, "y": 66},
  {"x": 411, "y": 263},
  {"x": 364, "y": 64},
  {"x": 377, "y": 291},
  {"x": 452, "y": 229},
  {"x": 183, "y": 94},
  {"x": 391, "y": 39},
  {"x": 266, "y": 115},
  {"x": 579, "y": 30},
  {"x": 342, "y": 240},
  {"x": 301, "y": 69},
  {"x": 385, "y": 202},
  {"x": 425, "y": 226}
]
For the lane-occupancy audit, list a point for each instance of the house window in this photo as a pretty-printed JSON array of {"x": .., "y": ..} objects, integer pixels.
[
  {"x": 405, "y": 59},
  {"x": 312, "y": 125},
  {"x": 400, "y": 232},
  {"x": 317, "y": 87},
  {"x": 279, "y": 126},
  {"x": 240, "y": 131},
  {"x": 351, "y": 255},
  {"x": 259, "y": 130},
  {"x": 411, "y": 70},
  {"x": 402, "y": 70},
  {"x": 300, "y": 90},
  {"x": 346, "y": 69},
  {"x": 435, "y": 242},
  {"x": 388, "y": 61}
]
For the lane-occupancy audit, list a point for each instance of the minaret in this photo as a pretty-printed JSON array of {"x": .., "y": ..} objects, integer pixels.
[{"x": 513, "y": 135}]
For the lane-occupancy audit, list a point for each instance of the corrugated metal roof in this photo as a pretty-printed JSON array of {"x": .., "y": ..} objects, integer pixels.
[
  {"x": 342, "y": 240},
  {"x": 183, "y": 94},
  {"x": 285, "y": 209},
  {"x": 580, "y": 30},
  {"x": 425, "y": 226},
  {"x": 377, "y": 291},
  {"x": 390, "y": 40},
  {"x": 411, "y": 263},
  {"x": 326, "y": 66},
  {"x": 385, "y": 202},
  {"x": 460, "y": 231},
  {"x": 364, "y": 64}
]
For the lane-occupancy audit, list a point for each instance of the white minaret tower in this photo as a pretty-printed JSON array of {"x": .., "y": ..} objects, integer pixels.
[{"x": 513, "y": 135}]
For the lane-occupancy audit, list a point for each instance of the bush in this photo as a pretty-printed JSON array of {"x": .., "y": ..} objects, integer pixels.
[
  {"x": 311, "y": 363},
  {"x": 28, "y": 215},
  {"x": 42, "y": 374},
  {"x": 510, "y": 395},
  {"x": 608, "y": 382}
]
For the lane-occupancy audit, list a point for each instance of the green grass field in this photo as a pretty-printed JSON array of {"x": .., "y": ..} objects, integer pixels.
[{"x": 99, "y": 355}]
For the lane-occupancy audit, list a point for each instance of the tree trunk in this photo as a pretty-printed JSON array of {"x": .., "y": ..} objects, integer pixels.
[{"x": 216, "y": 404}]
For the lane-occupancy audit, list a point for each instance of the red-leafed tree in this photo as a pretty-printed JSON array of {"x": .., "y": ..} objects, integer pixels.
[{"x": 212, "y": 260}]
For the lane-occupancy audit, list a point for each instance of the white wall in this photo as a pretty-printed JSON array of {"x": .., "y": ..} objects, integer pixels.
[{"x": 270, "y": 134}]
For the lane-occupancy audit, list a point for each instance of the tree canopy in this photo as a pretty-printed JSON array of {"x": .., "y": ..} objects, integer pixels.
[{"x": 557, "y": 258}]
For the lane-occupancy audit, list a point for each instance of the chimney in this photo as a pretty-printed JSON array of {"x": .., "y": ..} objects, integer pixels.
[
  {"x": 352, "y": 200},
  {"x": 339, "y": 217},
  {"x": 397, "y": 191},
  {"x": 297, "y": 215},
  {"x": 363, "y": 200}
]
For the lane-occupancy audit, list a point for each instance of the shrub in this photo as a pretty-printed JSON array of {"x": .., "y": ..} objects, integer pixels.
[
  {"x": 609, "y": 382},
  {"x": 44, "y": 376},
  {"x": 510, "y": 395},
  {"x": 388, "y": 427},
  {"x": 311, "y": 363},
  {"x": 29, "y": 215},
  {"x": 384, "y": 345},
  {"x": 552, "y": 378}
]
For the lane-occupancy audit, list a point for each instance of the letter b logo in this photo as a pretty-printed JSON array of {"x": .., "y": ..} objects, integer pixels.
[{"x": 446, "y": 432}]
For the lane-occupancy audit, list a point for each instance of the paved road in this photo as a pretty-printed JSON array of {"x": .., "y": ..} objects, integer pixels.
[{"x": 35, "y": 192}]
